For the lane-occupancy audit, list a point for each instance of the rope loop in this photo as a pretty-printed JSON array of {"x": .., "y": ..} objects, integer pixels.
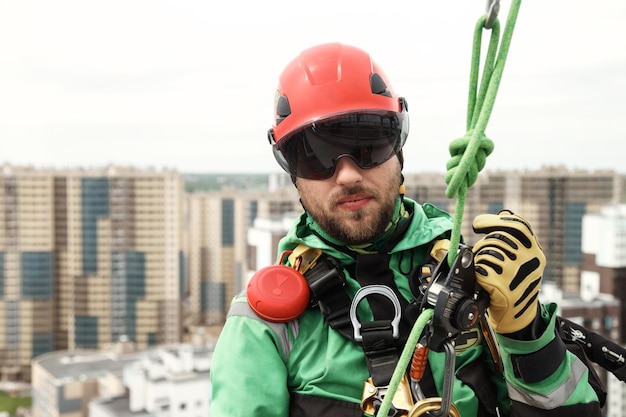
[
  {"x": 464, "y": 165},
  {"x": 470, "y": 152}
]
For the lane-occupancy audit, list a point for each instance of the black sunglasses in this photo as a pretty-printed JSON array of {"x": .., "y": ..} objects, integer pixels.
[{"x": 369, "y": 139}]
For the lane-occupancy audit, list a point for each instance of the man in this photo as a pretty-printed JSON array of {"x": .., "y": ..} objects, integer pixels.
[{"x": 368, "y": 253}]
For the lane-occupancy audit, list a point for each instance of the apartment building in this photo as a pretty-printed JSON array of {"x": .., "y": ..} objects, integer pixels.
[
  {"x": 217, "y": 227},
  {"x": 88, "y": 257},
  {"x": 219, "y": 252},
  {"x": 118, "y": 380},
  {"x": 604, "y": 272},
  {"x": 64, "y": 383},
  {"x": 27, "y": 267}
]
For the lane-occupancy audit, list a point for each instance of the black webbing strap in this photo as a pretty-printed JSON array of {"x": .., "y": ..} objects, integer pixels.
[
  {"x": 379, "y": 344},
  {"x": 380, "y": 348},
  {"x": 373, "y": 269},
  {"x": 327, "y": 283}
]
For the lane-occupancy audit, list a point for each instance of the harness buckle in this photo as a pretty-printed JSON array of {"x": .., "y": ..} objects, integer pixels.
[
  {"x": 373, "y": 397},
  {"x": 304, "y": 258},
  {"x": 380, "y": 290}
]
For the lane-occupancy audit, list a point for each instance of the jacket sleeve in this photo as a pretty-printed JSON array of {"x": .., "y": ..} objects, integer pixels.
[
  {"x": 544, "y": 378},
  {"x": 248, "y": 372}
]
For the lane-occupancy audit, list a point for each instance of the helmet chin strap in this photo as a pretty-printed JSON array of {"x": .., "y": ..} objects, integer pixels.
[{"x": 402, "y": 190}]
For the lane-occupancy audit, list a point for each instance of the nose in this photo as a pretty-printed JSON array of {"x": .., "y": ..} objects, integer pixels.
[{"x": 347, "y": 172}]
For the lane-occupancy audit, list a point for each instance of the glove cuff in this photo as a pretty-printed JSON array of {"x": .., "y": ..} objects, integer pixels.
[
  {"x": 520, "y": 356},
  {"x": 537, "y": 366},
  {"x": 532, "y": 331}
]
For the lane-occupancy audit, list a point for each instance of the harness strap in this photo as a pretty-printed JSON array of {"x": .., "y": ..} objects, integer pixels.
[
  {"x": 373, "y": 269},
  {"x": 327, "y": 282},
  {"x": 380, "y": 350},
  {"x": 379, "y": 343}
]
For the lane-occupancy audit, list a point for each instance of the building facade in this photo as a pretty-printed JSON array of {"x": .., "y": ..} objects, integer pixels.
[
  {"x": 27, "y": 270},
  {"x": 88, "y": 257},
  {"x": 604, "y": 272}
]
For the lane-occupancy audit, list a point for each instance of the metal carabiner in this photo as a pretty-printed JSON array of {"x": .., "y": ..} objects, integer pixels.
[
  {"x": 448, "y": 380},
  {"x": 493, "y": 7},
  {"x": 440, "y": 407},
  {"x": 373, "y": 396},
  {"x": 430, "y": 405}
]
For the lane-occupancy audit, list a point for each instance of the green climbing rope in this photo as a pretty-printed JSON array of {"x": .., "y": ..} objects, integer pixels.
[{"x": 469, "y": 155}]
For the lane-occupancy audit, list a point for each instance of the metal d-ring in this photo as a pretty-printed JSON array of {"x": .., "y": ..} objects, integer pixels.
[{"x": 380, "y": 290}]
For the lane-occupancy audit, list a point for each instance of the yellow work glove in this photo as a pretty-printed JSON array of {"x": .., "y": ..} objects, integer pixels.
[{"x": 509, "y": 263}]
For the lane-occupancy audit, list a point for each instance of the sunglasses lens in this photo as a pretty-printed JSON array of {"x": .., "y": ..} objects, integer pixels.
[{"x": 369, "y": 139}]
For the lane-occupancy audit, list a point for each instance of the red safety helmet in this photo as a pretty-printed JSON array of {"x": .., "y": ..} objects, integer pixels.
[{"x": 329, "y": 81}]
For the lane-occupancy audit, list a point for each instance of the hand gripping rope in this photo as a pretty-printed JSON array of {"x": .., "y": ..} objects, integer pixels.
[{"x": 469, "y": 155}]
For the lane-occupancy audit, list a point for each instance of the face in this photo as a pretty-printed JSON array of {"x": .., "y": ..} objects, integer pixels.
[{"x": 355, "y": 205}]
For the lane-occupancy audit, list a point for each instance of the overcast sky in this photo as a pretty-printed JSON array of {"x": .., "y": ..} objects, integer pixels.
[{"x": 189, "y": 84}]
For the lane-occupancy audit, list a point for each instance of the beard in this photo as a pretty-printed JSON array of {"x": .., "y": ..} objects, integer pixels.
[{"x": 353, "y": 227}]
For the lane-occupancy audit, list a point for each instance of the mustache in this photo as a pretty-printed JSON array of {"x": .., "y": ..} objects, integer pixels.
[{"x": 352, "y": 190}]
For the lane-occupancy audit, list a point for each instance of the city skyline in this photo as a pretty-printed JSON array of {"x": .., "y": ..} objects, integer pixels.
[
  {"x": 92, "y": 255},
  {"x": 187, "y": 86}
]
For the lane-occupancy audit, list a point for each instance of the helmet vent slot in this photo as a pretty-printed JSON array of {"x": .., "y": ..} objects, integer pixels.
[
  {"x": 283, "y": 109},
  {"x": 378, "y": 86}
]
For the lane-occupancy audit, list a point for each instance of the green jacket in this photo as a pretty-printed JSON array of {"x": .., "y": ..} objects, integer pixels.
[{"x": 260, "y": 368}]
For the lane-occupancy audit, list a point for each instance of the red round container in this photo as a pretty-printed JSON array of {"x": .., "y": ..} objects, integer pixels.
[{"x": 278, "y": 293}]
